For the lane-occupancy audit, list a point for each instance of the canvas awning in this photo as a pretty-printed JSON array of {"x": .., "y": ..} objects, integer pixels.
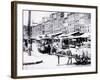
[{"x": 77, "y": 34}]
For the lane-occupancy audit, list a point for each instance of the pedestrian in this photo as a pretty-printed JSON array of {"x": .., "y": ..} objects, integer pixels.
[
  {"x": 54, "y": 47},
  {"x": 79, "y": 55},
  {"x": 69, "y": 54}
]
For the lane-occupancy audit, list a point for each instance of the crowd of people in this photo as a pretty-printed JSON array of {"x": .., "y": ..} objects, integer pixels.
[{"x": 47, "y": 46}]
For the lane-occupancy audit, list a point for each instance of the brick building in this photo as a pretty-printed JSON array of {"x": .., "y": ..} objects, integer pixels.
[{"x": 61, "y": 22}]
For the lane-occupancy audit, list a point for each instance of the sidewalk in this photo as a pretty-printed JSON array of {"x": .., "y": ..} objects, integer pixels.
[
  {"x": 48, "y": 61},
  {"x": 45, "y": 61}
]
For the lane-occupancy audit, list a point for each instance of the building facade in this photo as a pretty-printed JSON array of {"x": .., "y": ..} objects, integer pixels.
[{"x": 61, "y": 22}]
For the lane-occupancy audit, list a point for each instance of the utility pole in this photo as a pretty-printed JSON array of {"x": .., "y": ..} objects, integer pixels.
[{"x": 29, "y": 32}]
